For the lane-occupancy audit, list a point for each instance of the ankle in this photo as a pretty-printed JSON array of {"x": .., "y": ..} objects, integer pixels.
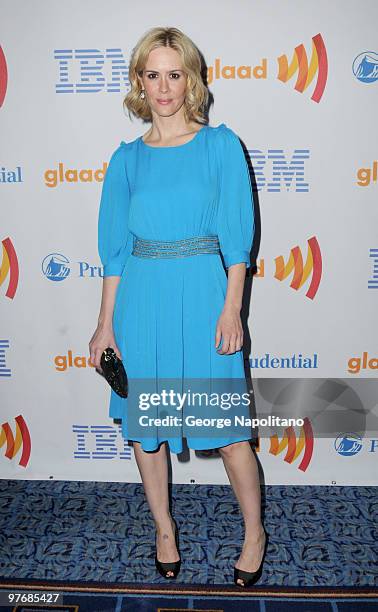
[
  {"x": 254, "y": 534},
  {"x": 164, "y": 525}
]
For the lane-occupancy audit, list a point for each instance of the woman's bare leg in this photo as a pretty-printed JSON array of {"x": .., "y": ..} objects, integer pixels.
[
  {"x": 241, "y": 467},
  {"x": 153, "y": 469}
]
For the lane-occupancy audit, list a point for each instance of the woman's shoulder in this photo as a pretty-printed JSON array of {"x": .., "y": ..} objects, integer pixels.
[
  {"x": 224, "y": 134},
  {"x": 224, "y": 137},
  {"x": 122, "y": 151},
  {"x": 129, "y": 144},
  {"x": 225, "y": 140}
]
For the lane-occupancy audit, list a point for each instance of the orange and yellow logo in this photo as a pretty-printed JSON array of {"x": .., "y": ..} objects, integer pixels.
[
  {"x": 3, "y": 77},
  {"x": 9, "y": 267},
  {"x": 301, "y": 271},
  {"x": 307, "y": 70},
  {"x": 294, "y": 447},
  {"x": 13, "y": 443}
]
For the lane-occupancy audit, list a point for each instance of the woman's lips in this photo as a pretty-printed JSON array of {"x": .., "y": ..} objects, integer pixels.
[{"x": 164, "y": 101}]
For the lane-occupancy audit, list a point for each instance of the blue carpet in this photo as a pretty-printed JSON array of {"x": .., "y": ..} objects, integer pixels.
[{"x": 103, "y": 531}]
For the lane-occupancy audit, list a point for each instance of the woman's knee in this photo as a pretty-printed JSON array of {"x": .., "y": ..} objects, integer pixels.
[{"x": 232, "y": 449}]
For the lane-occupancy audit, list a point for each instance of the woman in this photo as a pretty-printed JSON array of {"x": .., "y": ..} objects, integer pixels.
[{"x": 173, "y": 201}]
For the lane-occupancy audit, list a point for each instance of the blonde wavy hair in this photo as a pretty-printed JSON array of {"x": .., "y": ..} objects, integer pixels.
[{"x": 197, "y": 93}]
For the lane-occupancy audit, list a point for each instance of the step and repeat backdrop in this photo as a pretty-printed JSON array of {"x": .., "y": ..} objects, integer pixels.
[{"x": 298, "y": 84}]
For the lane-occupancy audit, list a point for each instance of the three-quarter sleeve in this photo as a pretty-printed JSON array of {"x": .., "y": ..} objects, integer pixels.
[
  {"x": 114, "y": 239},
  {"x": 235, "y": 217}
]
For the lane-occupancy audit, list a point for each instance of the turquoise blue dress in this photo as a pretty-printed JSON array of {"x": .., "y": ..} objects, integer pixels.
[{"x": 166, "y": 310}]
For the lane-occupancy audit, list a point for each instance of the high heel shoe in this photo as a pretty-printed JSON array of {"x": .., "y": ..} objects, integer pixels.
[
  {"x": 250, "y": 578},
  {"x": 174, "y": 567}
]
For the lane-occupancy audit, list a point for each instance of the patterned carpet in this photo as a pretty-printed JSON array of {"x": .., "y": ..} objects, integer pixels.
[{"x": 101, "y": 531}]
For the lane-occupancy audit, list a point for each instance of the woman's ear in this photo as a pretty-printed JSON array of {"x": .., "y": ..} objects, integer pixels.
[{"x": 140, "y": 81}]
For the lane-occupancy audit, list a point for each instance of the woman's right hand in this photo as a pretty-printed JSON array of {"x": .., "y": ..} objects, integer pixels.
[{"x": 102, "y": 339}]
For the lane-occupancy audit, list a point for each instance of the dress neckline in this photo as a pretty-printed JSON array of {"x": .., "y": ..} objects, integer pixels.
[{"x": 185, "y": 144}]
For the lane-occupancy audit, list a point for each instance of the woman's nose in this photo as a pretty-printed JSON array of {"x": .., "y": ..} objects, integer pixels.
[{"x": 163, "y": 86}]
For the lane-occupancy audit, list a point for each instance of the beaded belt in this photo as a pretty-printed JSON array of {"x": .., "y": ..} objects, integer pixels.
[{"x": 175, "y": 248}]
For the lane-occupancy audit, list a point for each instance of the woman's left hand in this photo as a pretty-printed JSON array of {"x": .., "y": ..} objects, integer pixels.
[{"x": 230, "y": 330}]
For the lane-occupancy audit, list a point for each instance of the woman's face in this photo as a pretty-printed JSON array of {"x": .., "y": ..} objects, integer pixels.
[{"x": 164, "y": 81}]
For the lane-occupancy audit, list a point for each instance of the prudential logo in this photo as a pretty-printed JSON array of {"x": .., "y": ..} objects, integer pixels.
[
  {"x": 365, "y": 67},
  {"x": 348, "y": 444},
  {"x": 55, "y": 266}
]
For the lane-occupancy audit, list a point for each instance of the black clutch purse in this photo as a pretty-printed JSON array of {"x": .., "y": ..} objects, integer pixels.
[{"x": 114, "y": 372}]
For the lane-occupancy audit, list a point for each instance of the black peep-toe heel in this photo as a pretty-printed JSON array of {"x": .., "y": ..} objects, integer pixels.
[
  {"x": 250, "y": 578},
  {"x": 164, "y": 568}
]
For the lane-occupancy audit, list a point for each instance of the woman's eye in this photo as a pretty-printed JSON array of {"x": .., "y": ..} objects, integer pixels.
[{"x": 151, "y": 76}]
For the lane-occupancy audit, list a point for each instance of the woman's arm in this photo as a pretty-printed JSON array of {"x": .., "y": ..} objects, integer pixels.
[
  {"x": 235, "y": 229},
  {"x": 103, "y": 337},
  {"x": 235, "y": 286},
  {"x": 229, "y": 326},
  {"x": 109, "y": 290},
  {"x": 114, "y": 246}
]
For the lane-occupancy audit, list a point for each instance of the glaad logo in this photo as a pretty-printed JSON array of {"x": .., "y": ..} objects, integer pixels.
[
  {"x": 3, "y": 76},
  {"x": 63, "y": 362},
  {"x": 9, "y": 267},
  {"x": 294, "y": 446},
  {"x": 226, "y": 71},
  {"x": 367, "y": 175},
  {"x": 55, "y": 267},
  {"x": 306, "y": 70},
  {"x": 14, "y": 442},
  {"x": 72, "y": 175},
  {"x": 301, "y": 271},
  {"x": 356, "y": 364},
  {"x": 365, "y": 67},
  {"x": 348, "y": 444}
]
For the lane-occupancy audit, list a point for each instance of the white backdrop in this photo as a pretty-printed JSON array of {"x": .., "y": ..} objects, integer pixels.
[{"x": 62, "y": 108}]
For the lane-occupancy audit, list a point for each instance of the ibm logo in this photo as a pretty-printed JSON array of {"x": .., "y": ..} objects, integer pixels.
[
  {"x": 275, "y": 173},
  {"x": 91, "y": 71}
]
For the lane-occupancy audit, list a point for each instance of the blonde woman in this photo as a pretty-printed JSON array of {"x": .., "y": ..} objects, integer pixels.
[{"x": 176, "y": 201}]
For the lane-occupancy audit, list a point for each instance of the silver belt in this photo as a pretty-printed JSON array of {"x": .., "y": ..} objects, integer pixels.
[{"x": 175, "y": 248}]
